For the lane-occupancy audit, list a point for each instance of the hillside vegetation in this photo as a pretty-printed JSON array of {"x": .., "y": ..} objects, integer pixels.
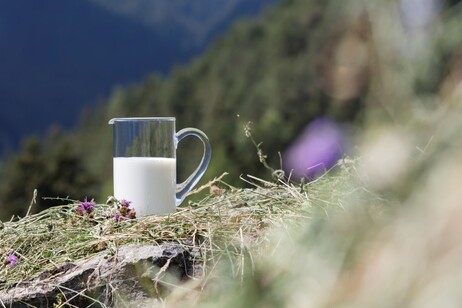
[{"x": 301, "y": 60}]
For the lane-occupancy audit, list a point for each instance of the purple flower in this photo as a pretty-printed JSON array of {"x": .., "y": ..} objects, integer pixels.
[
  {"x": 12, "y": 259},
  {"x": 125, "y": 203},
  {"x": 125, "y": 212},
  {"x": 318, "y": 149},
  {"x": 131, "y": 214},
  {"x": 118, "y": 217},
  {"x": 86, "y": 207}
]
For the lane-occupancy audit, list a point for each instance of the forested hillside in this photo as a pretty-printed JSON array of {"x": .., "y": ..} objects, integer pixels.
[{"x": 301, "y": 60}]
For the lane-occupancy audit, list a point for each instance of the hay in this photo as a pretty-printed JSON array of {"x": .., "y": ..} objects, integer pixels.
[
  {"x": 59, "y": 235},
  {"x": 228, "y": 222}
]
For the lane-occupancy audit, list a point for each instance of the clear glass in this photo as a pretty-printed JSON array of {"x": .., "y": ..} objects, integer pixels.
[{"x": 145, "y": 163}]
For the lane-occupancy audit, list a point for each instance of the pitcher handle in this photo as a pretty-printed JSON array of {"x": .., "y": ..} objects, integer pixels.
[{"x": 183, "y": 188}]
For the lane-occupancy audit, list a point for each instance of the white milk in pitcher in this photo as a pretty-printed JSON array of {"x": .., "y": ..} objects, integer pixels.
[{"x": 148, "y": 182}]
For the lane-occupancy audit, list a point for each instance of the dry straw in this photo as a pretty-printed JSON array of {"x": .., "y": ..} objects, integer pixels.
[{"x": 227, "y": 216}]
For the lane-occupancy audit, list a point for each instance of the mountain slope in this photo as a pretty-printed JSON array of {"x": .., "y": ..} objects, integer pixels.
[
  {"x": 58, "y": 56},
  {"x": 201, "y": 20}
]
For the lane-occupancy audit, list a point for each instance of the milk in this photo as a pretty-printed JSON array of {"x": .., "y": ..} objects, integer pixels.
[{"x": 148, "y": 182}]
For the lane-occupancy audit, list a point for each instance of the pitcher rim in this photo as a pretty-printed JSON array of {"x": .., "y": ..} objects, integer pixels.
[{"x": 140, "y": 119}]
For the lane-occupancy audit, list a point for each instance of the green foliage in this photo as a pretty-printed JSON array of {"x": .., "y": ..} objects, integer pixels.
[{"x": 54, "y": 168}]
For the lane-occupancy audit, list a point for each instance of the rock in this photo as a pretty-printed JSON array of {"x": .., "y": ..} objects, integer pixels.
[{"x": 135, "y": 274}]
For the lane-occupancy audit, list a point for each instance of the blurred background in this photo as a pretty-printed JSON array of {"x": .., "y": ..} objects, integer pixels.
[
  {"x": 58, "y": 57},
  {"x": 317, "y": 79}
]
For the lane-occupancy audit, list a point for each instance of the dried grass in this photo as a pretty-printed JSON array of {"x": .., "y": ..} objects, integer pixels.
[{"x": 227, "y": 223}]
